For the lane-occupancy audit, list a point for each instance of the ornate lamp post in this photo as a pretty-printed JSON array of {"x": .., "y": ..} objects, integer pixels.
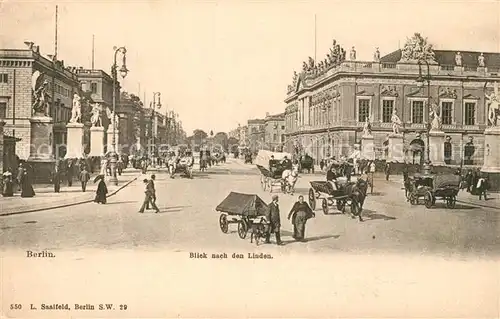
[
  {"x": 154, "y": 131},
  {"x": 123, "y": 72},
  {"x": 420, "y": 82}
]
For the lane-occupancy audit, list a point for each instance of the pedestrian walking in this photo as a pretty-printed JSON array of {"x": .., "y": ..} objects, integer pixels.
[
  {"x": 56, "y": 178},
  {"x": 148, "y": 193},
  {"x": 387, "y": 171},
  {"x": 321, "y": 164},
  {"x": 26, "y": 184},
  {"x": 300, "y": 213},
  {"x": 153, "y": 189},
  {"x": 273, "y": 216},
  {"x": 84, "y": 178},
  {"x": 102, "y": 190}
]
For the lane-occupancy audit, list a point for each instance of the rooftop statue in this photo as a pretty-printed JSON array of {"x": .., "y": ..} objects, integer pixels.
[
  {"x": 480, "y": 60},
  {"x": 458, "y": 59},
  {"x": 417, "y": 48},
  {"x": 376, "y": 55},
  {"x": 352, "y": 55},
  {"x": 311, "y": 63},
  {"x": 367, "y": 127}
]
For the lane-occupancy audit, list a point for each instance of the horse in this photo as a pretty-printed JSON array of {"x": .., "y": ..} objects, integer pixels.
[
  {"x": 357, "y": 193},
  {"x": 289, "y": 178}
]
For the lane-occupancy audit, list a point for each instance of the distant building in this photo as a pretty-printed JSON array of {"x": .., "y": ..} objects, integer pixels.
[
  {"x": 256, "y": 134},
  {"x": 274, "y": 127}
]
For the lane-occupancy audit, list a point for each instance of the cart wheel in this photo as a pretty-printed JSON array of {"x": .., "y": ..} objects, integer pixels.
[
  {"x": 340, "y": 205},
  {"x": 242, "y": 229},
  {"x": 223, "y": 223},
  {"x": 428, "y": 199},
  {"x": 318, "y": 194},
  {"x": 450, "y": 202},
  {"x": 324, "y": 205},
  {"x": 312, "y": 199}
]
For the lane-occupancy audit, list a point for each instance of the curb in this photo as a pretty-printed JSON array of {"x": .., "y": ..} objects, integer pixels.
[
  {"x": 70, "y": 204},
  {"x": 480, "y": 205}
]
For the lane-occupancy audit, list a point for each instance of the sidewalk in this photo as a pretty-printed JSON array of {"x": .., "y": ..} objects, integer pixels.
[{"x": 46, "y": 198}]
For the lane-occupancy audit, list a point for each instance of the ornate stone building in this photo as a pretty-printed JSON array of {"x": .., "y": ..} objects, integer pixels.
[
  {"x": 17, "y": 67},
  {"x": 256, "y": 134},
  {"x": 327, "y": 104}
]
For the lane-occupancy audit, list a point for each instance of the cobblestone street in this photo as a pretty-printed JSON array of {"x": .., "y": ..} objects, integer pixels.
[{"x": 188, "y": 221}]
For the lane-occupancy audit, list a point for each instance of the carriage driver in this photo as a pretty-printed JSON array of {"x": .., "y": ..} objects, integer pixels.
[
  {"x": 286, "y": 163},
  {"x": 331, "y": 177}
]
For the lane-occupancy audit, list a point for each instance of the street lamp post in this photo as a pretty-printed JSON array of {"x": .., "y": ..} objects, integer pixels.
[
  {"x": 154, "y": 129},
  {"x": 420, "y": 82},
  {"x": 123, "y": 72}
]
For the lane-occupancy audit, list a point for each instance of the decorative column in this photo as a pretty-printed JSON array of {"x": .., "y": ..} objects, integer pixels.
[
  {"x": 2, "y": 123},
  {"x": 96, "y": 141},
  {"x": 436, "y": 144},
  {"x": 395, "y": 148},
  {"x": 367, "y": 147}
]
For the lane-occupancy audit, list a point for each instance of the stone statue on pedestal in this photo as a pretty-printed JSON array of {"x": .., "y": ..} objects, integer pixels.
[
  {"x": 76, "y": 111},
  {"x": 458, "y": 59},
  {"x": 436, "y": 119},
  {"x": 376, "y": 55},
  {"x": 96, "y": 115},
  {"x": 352, "y": 55},
  {"x": 494, "y": 106},
  {"x": 367, "y": 128},
  {"x": 40, "y": 92},
  {"x": 480, "y": 61},
  {"x": 396, "y": 122}
]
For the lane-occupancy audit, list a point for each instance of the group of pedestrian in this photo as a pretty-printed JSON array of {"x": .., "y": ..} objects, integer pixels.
[
  {"x": 58, "y": 176},
  {"x": 299, "y": 214},
  {"x": 24, "y": 181}
]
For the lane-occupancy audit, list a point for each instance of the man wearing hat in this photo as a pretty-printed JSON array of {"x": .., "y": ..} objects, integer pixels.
[
  {"x": 447, "y": 150},
  {"x": 273, "y": 216}
]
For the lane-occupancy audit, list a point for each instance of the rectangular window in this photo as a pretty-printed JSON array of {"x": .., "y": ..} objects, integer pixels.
[
  {"x": 470, "y": 113},
  {"x": 387, "y": 107},
  {"x": 4, "y": 78},
  {"x": 275, "y": 137},
  {"x": 363, "y": 110},
  {"x": 447, "y": 112},
  {"x": 3, "y": 110},
  {"x": 282, "y": 138},
  {"x": 93, "y": 87},
  {"x": 282, "y": 127},
  {"x": 417, "y": 112}
]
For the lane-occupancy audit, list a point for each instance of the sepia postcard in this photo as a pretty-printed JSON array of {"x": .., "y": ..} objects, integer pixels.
[{"x": 249, "y": 159}]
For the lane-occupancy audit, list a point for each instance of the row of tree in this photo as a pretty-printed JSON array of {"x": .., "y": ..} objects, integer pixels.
[{"x": 200, "y": 137}]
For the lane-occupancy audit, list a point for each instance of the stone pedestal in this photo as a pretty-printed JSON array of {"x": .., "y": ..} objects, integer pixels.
[
  {"x": 395, "y": 148},
  {"x": 491, "y": 166},
  {"x": 41, "y": 157},
  {"x": 436, "y": 144},
  {"x": 74, "y": 146},
  {"x": 2, "y": 123},
  {"x": 110, "y": 140},
  {"x": 367, "y": 147},
  {"x": 97, "y": 141}
]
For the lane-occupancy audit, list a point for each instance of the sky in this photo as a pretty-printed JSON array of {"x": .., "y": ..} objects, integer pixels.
[{"x": 220, "y": 63}]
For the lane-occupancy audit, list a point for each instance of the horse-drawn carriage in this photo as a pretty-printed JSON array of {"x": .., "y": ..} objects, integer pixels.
[
  {"x": 271, "y": 178},
  {"x": 276, "y": 171},
  {"x": 433, "y": 187},
  {"x": 347, "y": 194},
  {"x": 306, "y": 162},
  {"x": 246, "y": 210}
]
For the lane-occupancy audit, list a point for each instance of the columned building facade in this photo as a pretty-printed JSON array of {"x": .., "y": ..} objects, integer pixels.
[{"x": 327, "y": 107}]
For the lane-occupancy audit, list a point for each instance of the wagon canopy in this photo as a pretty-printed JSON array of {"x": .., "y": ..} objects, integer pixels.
[
  {"x": 447, "y": 181},
  {"x": 264, "y": 156},
  {"x": 242, "y": 204}
]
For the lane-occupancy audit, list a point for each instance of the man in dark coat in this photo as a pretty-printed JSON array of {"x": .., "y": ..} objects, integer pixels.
[
  {"x": 69, "y": 172},
  {"x": 148, "y": 194},
  {"x": 56, "y": 178},
  {"x": 469, "y": 150},
  {"x": 273, "y": 216},
  {"x": 153, "y": 190},
  {"x": 84, "y": 178},
  {"x": 300, "y": 213}
]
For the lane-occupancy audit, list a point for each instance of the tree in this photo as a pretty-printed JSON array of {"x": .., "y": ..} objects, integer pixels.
[
  {"x": 221, "y": 138},
  {"x": 199, "y": 136}
]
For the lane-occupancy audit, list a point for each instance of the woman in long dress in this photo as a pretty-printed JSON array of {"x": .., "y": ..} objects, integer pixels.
[
  {"x": 26, "y": 185},
  {"x": 102, "y": 190},
  {"x": 300, "y": 213}
]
